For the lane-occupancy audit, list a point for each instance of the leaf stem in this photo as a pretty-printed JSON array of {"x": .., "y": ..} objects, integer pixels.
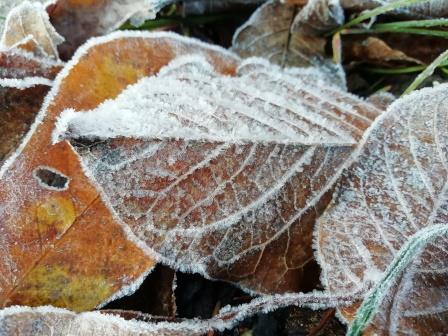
[{"x": 395, "y": 71}]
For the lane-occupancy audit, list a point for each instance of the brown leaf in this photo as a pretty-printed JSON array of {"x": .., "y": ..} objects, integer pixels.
[
  {"x": 376, "y": 51},
  {"x": 423, "y": 48},
  {"x": 16, "y": 64},
  {"x": 18, "y": 108},
  {"x": 24, "y": 82},
  {"x": 28, "y": 27},
  {"x": 53, "y": 251},
  {"x": 290, "y": 35},
  {"x": 397, "y": 187},
  {"x": 79, "y": 20},
  {"x": 236, "y": 196}
]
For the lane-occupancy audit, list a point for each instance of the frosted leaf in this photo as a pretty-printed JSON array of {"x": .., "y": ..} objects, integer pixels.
[
  {"x": 222, "y": 175},
  {"x": 43, "y": 321},
  {"x": 319, "y": 16},
  {"x": 19, "y": 320},
  {"x": 398, "y": 186},
  {"x": 28, "y": 27},
  {"x": 18, "y": 64},
  {"x": 6, "y": 6},
  {"x": 77, "y": 22},
  {"x": 188, "y": 100},
  {"x": 24, "y": 81},
  {"x": 289, "y": 35}
]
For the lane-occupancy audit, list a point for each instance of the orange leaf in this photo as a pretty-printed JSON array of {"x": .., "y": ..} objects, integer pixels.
[{"x": 57, "y": 234}]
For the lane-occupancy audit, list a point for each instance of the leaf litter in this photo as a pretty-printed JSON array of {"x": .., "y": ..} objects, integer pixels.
[{"x": 187, "y": 155}]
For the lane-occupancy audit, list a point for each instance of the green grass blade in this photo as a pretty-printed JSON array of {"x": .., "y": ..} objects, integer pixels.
[
  {"x": 151, "y": 24},
  {"x": 378, "y": 11},
  {"x": 414, "y": 23},
  {"x": 178, "y": 20},
  {"x": 438, "y": 62},
  {"x": 395, "y": 71},
  {"x": 415, "y": 31},
  {"x": 372, "y": 301}
]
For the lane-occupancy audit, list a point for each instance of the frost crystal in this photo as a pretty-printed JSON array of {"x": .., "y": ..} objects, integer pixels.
[{"x": 189, "y": 101}]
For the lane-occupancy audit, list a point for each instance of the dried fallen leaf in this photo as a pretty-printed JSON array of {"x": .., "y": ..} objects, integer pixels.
[
  {"x": 376, "y": 51},
  {"x": 423, "y": 48},
  {"x": 236, "y": 195},
  {"x": 78, "y": 20},
  {"x": 28, "y": 27},
  {"x": 52, "y": 251},
  {"x": 397, "y": 187},
  {"x": 290, "y": 35}
]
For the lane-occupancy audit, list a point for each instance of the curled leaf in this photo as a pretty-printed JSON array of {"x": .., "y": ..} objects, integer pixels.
[
  {"x": 397, "y": 187},
  {"x": 28, "y": 27}
]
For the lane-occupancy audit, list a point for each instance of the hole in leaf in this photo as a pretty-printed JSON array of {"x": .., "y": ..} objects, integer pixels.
[{"x": 50, "y": 178}]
